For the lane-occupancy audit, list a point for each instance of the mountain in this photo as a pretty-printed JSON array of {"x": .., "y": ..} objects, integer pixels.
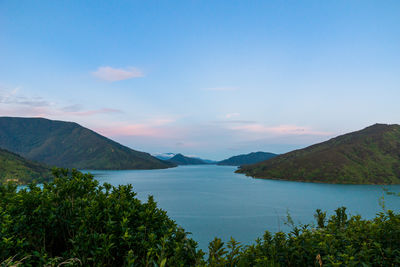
[
  {"x": 369, "y": 156},
  {"x": 164, "y": 156},
  {"x": 15, "y": 168},
  {"x": 167, "y": 156},
  {"x": 67, "y": 144},
  {"x": 180, "y": 159},
  {"x": 244, "y": 159}
]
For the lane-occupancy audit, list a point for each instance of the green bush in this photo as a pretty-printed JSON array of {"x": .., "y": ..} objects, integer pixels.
[
  {"x": 342, "y": 242},
  {"x": 352, "y": 242},
  {"x": 75, "y": 221}
]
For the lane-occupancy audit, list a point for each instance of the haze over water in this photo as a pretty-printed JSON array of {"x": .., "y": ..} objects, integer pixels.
[{"x": 212, "y": 201}]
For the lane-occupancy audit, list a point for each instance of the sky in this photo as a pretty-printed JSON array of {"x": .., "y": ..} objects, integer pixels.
[{"x": 204, "y": 78}]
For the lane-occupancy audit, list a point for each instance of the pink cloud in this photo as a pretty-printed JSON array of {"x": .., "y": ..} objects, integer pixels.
[
  {"x": 129, "y": 130},
  {"x": 153, "y": 128},
  {"x": 95, "y": 112},
  {"x": 37, "y": 111},
  {"x": 112, "y": 74},
  {"x": 279, "y": 130}
]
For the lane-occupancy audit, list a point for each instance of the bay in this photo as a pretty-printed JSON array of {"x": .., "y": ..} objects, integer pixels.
[{"x": 212, "y": 201}]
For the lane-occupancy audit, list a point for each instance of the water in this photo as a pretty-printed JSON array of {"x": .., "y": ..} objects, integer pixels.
[{"x": 211, "y": 201}]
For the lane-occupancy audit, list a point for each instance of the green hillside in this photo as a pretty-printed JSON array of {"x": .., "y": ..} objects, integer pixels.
[
  {"x": 67, "y": 144},
  {"x": 369, "y": 156},
  {"x": 244, "y": 159},
  {"x": 15, "y": 168}
]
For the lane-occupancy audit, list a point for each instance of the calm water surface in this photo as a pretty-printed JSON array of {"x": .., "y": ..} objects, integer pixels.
[{"x": 211, "y": 200}]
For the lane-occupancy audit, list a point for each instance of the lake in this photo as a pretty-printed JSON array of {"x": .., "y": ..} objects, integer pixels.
[{"x": 210, "y": 200}]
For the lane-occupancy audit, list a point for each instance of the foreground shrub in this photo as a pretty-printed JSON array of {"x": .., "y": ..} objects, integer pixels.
[
  {"x": 74, "y": 220},
  {"x": 341, "y": 242}
]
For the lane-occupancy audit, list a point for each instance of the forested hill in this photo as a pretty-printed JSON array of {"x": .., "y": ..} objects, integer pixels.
[
  {"x": 369, "y": 156},
  {"x": 67, "y": 144},
  {"x": 180, "y": 159},
  {"x": 17, "y": 169},
  {"x": 244, "y": 159}
]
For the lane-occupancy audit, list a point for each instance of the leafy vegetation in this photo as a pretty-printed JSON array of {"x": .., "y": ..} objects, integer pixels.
[
  {"x": 369, "y": 156},
  {"x": 337, "y": 241},
  {"x": 75, "y": 221},
  {"x": 250, "y": 158},
  {"x": 67, "y": 144},
  {"x": 15, "y": 168}
]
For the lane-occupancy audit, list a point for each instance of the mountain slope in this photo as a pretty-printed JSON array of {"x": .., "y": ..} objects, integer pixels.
[
  {"x": 250, "y": 158},
  {"x": 67, "y": 144},
  {"x": 15, "y": 168},
  {"x": 369, "y": 156},
  {"x": 180, "y": 159},
  {"x": 164, "y": 156}
]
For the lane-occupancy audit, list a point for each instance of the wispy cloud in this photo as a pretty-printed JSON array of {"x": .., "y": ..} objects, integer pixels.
[
  {"x": 17, "y": 104},
  {"x": 150, "y": 128},
  {"x": 12, "y": 97},
  {"x": 78, "y": 110},
  {"x": 72, "y": 108},
  {"x": 33, "y": 102},
  {"x": 96, "y": 111},
  {"x": 129, "y": 130},
  {"x": 231, "y": 115},
  {"x": 279, "y": 130},
  {"x": 234, "y": 122},
  {"x": 113, "y": 74}
]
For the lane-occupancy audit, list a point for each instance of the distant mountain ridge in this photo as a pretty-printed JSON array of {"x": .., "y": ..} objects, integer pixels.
[
  {"x": 183, "y": 159},
  {"x": 244, "y": 159},
  {"x": 15, "y": 168},
  {"x": 180, "y": 159},
  {"x": 164, "y": 156},
  {"x": 368, "y": 156},
  {"x": 67, "y": 144}
]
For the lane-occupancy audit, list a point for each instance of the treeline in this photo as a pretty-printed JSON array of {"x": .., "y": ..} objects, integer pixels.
[{"x": 75, "y": 221}]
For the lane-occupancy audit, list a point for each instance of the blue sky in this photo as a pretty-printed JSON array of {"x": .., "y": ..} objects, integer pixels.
[{"x": 206, "y": 78}]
